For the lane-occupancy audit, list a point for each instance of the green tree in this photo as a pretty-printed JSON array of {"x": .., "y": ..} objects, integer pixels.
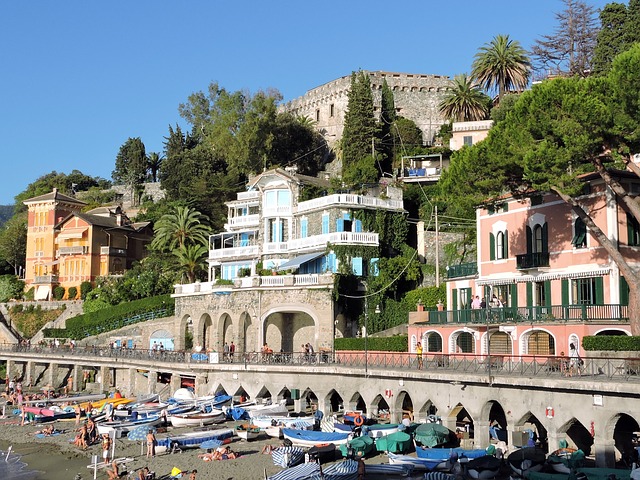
[
  {"x": 154, "y": 163},
  {"x": 10, "y": 288},
  {"x": 611, "y": 38},
  {"x": 464, "y": 102},
  {"x": 180, "y": 228},
  {"x": 13, "y": 241},
  {"x": 502, "y": 65},
  {"x": 359, "y": 123},
  {"x": 387, "y": 122},
  {"x": 569, "y": 50},
  {"x": 131, "y": 165},
  {"x": 192, "y": 260}
]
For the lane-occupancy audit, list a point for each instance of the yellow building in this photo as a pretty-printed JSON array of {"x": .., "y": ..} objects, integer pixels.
[{"x": 66, "y": 246}]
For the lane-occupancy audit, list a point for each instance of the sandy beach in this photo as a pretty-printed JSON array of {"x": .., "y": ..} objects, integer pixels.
[{"x": 58, "y": 459}]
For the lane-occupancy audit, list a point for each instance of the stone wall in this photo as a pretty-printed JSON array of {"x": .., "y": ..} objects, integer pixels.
[{"x": 416, "y": 97}]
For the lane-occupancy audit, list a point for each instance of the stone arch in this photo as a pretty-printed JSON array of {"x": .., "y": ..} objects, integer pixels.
[
  {"x": 404, "y": 405},
  {"x": 579, "y": 435},
  {"x": 334, "y": 400},
  {"x": 460, "y": 419},
  {"x": 263, "y": 394},
  {"x": 162, "y": 337},
  {"x": 529, "y": 422},
  {"x": 493, "y": 412},
  {"x": 309, "y": 396},
  {"x": 287, "y": 328},
  {"x": 284, "y": 394},
  {"x": 538, "y": 341},
  {"x": 202, "y": 332},
  {"x": 247, "y": 334},
  {"x": 380, "y": 407},
  {"x": 620, "y": 428},
  {"x": 241, "y": 394},
  {"x": 219, "y": 390},
  {"x": 462, "y": 341},
  {"x": 225, "y": 330},
  {"x": 185, "y": 327},
  {"x": 428, "y": 411},
  {"x": 357, "y": 403}
]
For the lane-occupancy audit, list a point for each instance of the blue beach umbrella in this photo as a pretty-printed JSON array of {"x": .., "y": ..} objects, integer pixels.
[
  {"x": 211, "y": 444},
  {"x": 139, "y": 434}
]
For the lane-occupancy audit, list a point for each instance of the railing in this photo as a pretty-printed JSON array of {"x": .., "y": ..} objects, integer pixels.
[
  {"x": 277, "y": 211},
  {"x": 244, "y": 221},
  {"x": 250, "y": 250},
  {"x": 532, "y": 260},
  {"x": 493, "y": 366},
  {"x": 462, "y": 270},
  {"x": 552, "y": 313},
  {"x": 335, "y": 238},
  {"x": 346, "y": 199},
  {"x": 275, "y": 247},
  {"x": 79, "y": 249},
  {"x": 250, "y": 195},
  {"x": 112, "y": 251},
  {"x": 46, "y": 279},
  {"x": 270, "y": 281}
]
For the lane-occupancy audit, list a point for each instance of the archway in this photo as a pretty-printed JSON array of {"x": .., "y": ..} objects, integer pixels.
[
  {"x": 462, "y": 420},
  {"x": 247, "y": 335},
  {"x": 432, "y": 341},
  {"x": 285, "y": 394},
  {"x": 578, "y": 434},
  {"x": 404, "y": 403},
  {"x": 357, "y": 403},
  {"x": 203, "y": 332},
  {"x": 264, "y": 395},
  {"x": 428, "y": 412},
  {"x": 463, "y": 342},
  {"x": 497, "y": 422},
  {"x": 380, "y": 408},
  {"x": 310, "y": 398},
  {"x": 163, "y": 339},
  {"x": 241, "y": 395},
  {"x": 335, "y": 402},
  {"x": 624, "y": 439},
  {"x": 533, "y": 431},
  {"x": 226, "y": 330},
  {"x": 287, "y": 330}
]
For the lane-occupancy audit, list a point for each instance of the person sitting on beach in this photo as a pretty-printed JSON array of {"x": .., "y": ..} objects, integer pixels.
[
  {"x": 268, "y": 448},
  {"x": 92, "y": 431},
  {"x": 145, "y": 474},
  {"x": 81, "y": 438},
  {"x": 113, "y": 471},
  {"x": 193, "y": 474}
]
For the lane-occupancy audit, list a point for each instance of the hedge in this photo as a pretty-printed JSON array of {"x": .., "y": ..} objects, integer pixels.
[
  {"x": 397, "y": 343},
  {"x": 612, "y": 343},
  {"x": 113, "y": 318}
]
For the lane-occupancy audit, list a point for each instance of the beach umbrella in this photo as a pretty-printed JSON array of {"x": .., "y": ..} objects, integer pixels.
[
  {"x": 302, "y": 471},
  {"x": 139, "y": 434},
  {"x": 287, "y": 456},
  {"x": 176, "y": 472},
  {"x": 342, "y": 470}
]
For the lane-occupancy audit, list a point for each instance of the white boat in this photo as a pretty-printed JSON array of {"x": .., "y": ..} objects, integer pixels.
[
  {"x": 248, "y": 432},
  {"x": 301, "y": 423},
  {"x": 117, "y": 429},
  {"x": 197, "y": 419},
  {"x": 272, "y": 409},
  {"x": 191, "y": 439},
  {"x": 309, "y": 438}
]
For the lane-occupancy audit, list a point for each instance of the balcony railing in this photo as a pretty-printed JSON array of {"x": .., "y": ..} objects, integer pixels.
[
  {"x": 76, "y": 250},
  {"x": 347, "y": 199},
  {"x": 244, "y": 221},
  {"x": 250, "y": 195},
  {"x": 462, "y": 270},
  {"x": 113, "y": 251},
  {"x": 250, "y": 250},
  {"x": 277, "y": 211},
  {"x": 335, "y": 238},
  {"x": 537, "y": 314},
  {"x": 269, "y": 281},
  {"x": 532, "y": 260},
  {"x": 46, "y": 279}
]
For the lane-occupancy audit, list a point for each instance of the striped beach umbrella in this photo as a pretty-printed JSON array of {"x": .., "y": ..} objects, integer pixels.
[
  {"x": 301, "y": 472},
  {"x": 287, "y": 456}
]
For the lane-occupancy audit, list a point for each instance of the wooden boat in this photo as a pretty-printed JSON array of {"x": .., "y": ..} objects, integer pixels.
[
  {"x": 528, "y": 459},
  {"x": 387, "y": 470},
  {"x": 192, "y": 439},
  {"x": 449, "y": 454},
  {"x": 309, "y": 438},
  {"x": 197, "y": 419},
  {"x": 119, "y": 428},
  {"x": 71, "y": 399},
  {"x": 416, "y": 462},
  {"x": 97, "y": 405},
  {"x": 287, "y": 457},
  {"x": 344, "y": 470},
  {"x": 483, "y": 468},
  {"x": 565, "y": 459},
  {"x": 268, "y": 409},
  {"x": 248, "y": 432},
  {"x": 323, "y": 453}
]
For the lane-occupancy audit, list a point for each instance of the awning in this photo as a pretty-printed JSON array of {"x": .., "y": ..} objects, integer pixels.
[
  {"x": 297, "y": 261},
  {"x": 596, "y": 272},
  {"x": 72, "y": 232},
  {"x": 47, "y": 264}
]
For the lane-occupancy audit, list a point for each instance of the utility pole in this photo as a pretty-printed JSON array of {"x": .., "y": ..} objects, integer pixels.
[{"x": 437, "y": 250}]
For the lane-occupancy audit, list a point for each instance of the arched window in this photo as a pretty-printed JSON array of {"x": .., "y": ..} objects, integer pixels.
[{"x": 537, "y": 239}]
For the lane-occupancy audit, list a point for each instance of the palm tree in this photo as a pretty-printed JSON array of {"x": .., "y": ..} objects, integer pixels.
[
  {"x": 184, "y": 227},
  {"x": 154, "y": 161},
  {"x": 464, "y": 102},
  {"x": 502, "y": 64},
  {"x": 191, "y": 260}
]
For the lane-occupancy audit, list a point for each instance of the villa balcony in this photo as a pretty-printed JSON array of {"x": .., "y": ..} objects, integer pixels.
[
  {"x": 271, "y": 282},
  {"x": 113, "y": 251},
  {"x": 462, "y": 270},
  {"x": 250, "y": 195},
  {"x": 348, "y": 200},
  {"x": 233, "y": 252},
  {"x": 46, "y": 279},
  {"x": 532, "y": 260},
  {"x": 335, "y": 238},
  {"x": 243, "y": 221},
  {"x": 76, "y": 250},
  {"x": 525, "y": 315}
]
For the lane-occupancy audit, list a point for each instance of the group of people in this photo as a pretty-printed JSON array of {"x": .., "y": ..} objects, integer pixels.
[
  {"x": 87, "y": 434},
  {"x": 308, "y": 352},
  {"x": 228, "y": 352},
  {"x": 479, "y": 303},
  {"x": 220, "y": 453}
]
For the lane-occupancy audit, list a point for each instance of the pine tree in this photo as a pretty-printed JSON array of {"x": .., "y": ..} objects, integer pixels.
[
  {"x": 359, "y": 122},
  {"x": 611, "y": 37}
]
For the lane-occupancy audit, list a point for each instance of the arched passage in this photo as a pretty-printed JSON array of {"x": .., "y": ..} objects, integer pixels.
[
  {"x": 578, "y": 435},
  {"x": 428, "y": 412},
  {"x": 533, "y": 431},
  {"x": 624, "y": 439},
  {"x": 162, "y": 337},
  {"x": 226, "y": 330},
  {"x": 202, "y": 335},
  {"x": 357, "y": 403},
  {"x": 287, "y": 330},
  {"x": 380, "y": 408},
  {"x": 335, "y": 402},
  {"x": 404, "y": 404},
  {"x": 264, "y": 394},
  {"x": 246, "y": 334}
]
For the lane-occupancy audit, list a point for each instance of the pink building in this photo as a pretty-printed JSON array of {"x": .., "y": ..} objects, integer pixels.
[{"x": 545, "y": 279}]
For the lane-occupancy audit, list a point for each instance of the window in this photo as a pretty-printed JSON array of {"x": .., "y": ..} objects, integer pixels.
[
  {"x": 356, "y": 266},
  {"x": 467, "y": 140},
  {"x": 317, "y": 114},
  {"x": 465, "y": 343},
  {"x": 537, "y": 239},
  {"x": 276, "y": 230},
  {"x": 277, "y": 198},
  {"x": 501, "y": 245},
  {"x": 325, "y": 223},
  {"x": 303, "y": 228},
  {"x": 633, "y": 231},
  {"x": 580, "y": 234},
  {"x": 584, "y": 291},
  {"x": 331, "y": 110}
]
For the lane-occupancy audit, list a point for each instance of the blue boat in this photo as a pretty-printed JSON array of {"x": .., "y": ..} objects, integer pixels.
[
  {"x": 193, "y": 439},
  {"x": 416, "y": 462},
  {"x": 450, "y": 453},
  {"x": 309, "y": 438}
]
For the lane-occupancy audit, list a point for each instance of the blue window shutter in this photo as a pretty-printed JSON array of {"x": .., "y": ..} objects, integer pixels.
[
  {"x": 325, "y": 224},
  {"x": 374, "y": 270},
  {"x": 340, "y": 225},
  {"x": 303, "y": 228},
  {"x": 356, "y": 266},
  {"x": 358, "y": 226}
]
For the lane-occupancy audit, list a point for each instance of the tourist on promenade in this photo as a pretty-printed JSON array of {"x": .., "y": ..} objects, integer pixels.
[
  {"x": 574, "y": 361},
  {"x": 225, "y": 352},
  {"x": 475, "y": 304},
  {"x": 232, "y": 350},
  {"x": 419, "y": 355}
]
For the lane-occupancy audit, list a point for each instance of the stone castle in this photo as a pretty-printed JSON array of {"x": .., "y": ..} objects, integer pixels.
[{"x": 416, "y": 98}]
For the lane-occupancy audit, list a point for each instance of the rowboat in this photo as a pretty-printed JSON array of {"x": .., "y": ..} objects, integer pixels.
[
  {"x": 309, "y": 438},
  {"x": 268, "y": 409},
  {"x": 247, "y": 432},
  {"x": 361, "y": 446},
  {"x": 71, "y": 399},
  {"x": 197, "y": 419},
  {"x": 483, "y": 468},
  {"x": 528, "y": 459},
  {"x": 120, "y": 428},
  {"x": 192, "y": 439},
  {"x": 418, "y": 463}
]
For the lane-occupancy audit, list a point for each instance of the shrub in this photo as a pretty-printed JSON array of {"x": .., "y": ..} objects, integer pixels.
[
  {"x": 72, "y": 293},
  {"x": 85, "y": 288},
  {"x": 10, "y": 288},
  {"x": 58, "y": 293},
  {"x": 612, "y": 343},
  {"x": 30, "y": 294},
  {"x": 397, "y": 343}
]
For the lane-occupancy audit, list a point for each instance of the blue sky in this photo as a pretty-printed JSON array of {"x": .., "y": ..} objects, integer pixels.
[{"x": 80, "y": 77}]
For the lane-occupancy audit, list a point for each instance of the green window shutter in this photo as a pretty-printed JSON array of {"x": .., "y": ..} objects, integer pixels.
[
  {"x": 545, "y": 237},
  {"x": 487, "y": 293},
  {"x": 529, "y": 294},
  {"x": 514, "y": 295},
  {"x": 624, "y": 291},
  {"x": 565, "y": 292},
  {"x": 599, "y": 291},
  {"x": 547, "y": 293},
  {"x": 529, "y": 240},
  {"x": 492, "y": 247},
  {"x": 506, "y": 245},
  {"x": 454, "y": 304}
]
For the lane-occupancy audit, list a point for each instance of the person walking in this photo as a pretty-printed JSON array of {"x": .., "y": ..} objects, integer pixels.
[
  {"x": 151, "y": 444},
  {"x": 232, "y": 350},
  {"x": 419, "y": 355}
]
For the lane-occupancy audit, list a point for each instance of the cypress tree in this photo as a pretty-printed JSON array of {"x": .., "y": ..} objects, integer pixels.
[
  {"x": 359, "y": 122},
  {"x": 387, "y": 119}
]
